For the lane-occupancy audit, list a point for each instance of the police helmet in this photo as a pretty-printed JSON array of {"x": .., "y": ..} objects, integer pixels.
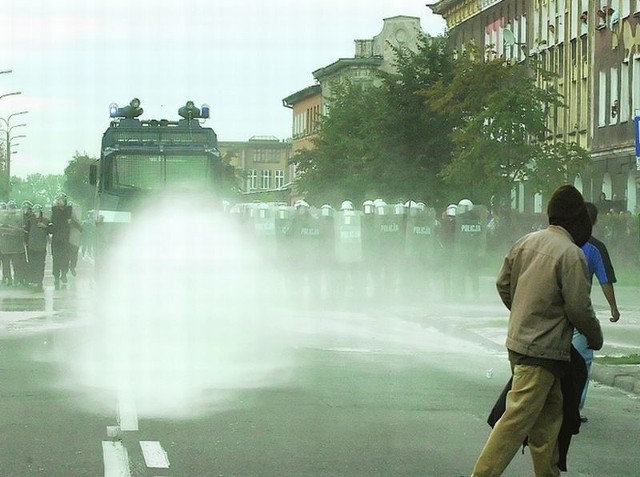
[
  {"x": 465, "y": 205},
  {"x": 283, "y": 212},
  {"x": 263, "y": 210},
  {"x": 381, "y": 206},
  {"x": 12, "y": 204},
  {"x": 326, "y": 210},
  {"x": 346, "y": 205},
  {"x": 368, "y": 207},
  {"x": 26, "y": 204},
  {"x": 399, "y": 209},
  {"x": 3, "y": 205},
  {"x": 61, "y": 197},
  {"x": 37, "y": 208},
  {"x": 451, "y": 210}
]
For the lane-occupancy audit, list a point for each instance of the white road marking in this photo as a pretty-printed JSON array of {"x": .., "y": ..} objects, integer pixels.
[
  {"x": 116, "y": 459},
  {"x": 127, "y": 410},
  {"x": 154, "y": 455}
]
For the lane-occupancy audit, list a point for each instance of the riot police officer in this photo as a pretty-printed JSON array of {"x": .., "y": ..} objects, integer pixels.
[
  {"x": 38, "y": 235},
  {"x": 419, "y": 248},
  {"x": 348, "y": 248},
  {"x": 12, "y": 244},
  {"x": 60, "y": 230},
  {"x": 305, "y": 243},
  {"x": 470, "y": 241},
  {"x": 446, "y": 238}
]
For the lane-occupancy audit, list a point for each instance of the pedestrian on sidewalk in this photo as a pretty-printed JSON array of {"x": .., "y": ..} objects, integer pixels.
[
  {"x": 543, "y": 282},
  {"x": 598, "y": 264}
]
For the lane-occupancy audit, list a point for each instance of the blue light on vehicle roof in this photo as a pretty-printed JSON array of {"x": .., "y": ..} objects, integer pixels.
[
  {"x": 204, "y": 111},
  {"x": 113, "y": 110}
]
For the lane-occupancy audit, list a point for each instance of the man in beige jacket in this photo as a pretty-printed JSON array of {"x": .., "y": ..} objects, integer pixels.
[{"x": 543, "y": 282}]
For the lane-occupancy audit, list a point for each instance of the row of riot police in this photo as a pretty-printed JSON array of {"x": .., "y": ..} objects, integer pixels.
[
  {"x": 381, "y": 250},
  {"x": 25, "y": 234}
]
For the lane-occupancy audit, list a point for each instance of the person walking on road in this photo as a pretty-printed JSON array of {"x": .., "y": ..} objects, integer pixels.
[
  {"x": 543, "y": 282},
  {"x": 598, "y": 264},
  {"x": 60, "y": 230},
  {"x": 38, "y": 236}
]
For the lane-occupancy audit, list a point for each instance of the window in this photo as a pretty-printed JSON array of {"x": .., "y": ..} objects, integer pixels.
[
  {"x": 624, "y": 92},
  {"x": 614, "y": 106},
  {"x": 153, "y": 172},
  {"x": 266, "y": 179},
  {"x": 279, "y": 178},
  {"x": 602, "y": 99},
  {"x": 266, "y": 155},
  {"x": 560, "y": 19},
  {"x": 252, "y": 180}
]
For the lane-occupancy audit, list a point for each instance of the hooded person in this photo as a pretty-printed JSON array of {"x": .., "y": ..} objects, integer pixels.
[
  {"x": 567, "y": 209},
  {"x": 543, "y": 283}
]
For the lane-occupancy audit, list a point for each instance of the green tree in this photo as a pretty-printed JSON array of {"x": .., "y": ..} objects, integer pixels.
[
  {"x": 37, "y": 188},
  {"x": 381, "y": 142},
  {"x": 499, "y": 115},
  {"x": 76, "y": 184}
]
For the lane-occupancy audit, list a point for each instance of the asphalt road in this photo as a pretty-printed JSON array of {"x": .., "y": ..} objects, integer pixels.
[{"x": 384, "y": 390}]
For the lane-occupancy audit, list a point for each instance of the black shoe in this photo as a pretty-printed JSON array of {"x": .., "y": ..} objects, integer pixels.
[{"x": 584, "y": 419}]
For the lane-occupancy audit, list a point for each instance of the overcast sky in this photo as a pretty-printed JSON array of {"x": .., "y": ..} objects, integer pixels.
[{"x": 72, "y": 58}]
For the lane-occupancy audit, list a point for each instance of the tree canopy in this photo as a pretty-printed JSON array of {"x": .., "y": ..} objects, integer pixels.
[
  {"x": 500, "y": 114},
  {"x": 76, "y": 184},
  {"x": 440, "y": 129},
  {"x": 381, "y": 141}
]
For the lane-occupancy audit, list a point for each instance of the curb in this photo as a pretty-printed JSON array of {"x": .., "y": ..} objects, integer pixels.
[{"x": 624, "y": 377}]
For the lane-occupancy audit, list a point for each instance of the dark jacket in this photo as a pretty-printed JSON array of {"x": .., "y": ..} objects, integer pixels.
[
  {"x": 571, "y": 384},
  {"x": 60, "y": 223}
]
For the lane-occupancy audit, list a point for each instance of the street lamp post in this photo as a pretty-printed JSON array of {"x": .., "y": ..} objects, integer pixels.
[
  {"x": 8, "y": 129},
  {"x": 10, "y": 94}
]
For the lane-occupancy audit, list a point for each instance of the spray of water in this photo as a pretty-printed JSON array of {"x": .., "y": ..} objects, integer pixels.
[{"x": 185, "y": 315}]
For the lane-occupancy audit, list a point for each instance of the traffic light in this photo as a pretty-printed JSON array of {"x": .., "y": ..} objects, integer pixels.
[
  {"x": 189, "y": 111},
  {"x": 133, "y": 110}
]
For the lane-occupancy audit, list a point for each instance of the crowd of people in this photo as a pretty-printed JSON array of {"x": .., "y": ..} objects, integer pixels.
[
  {"x": 400, "y": 251},
  {"x": 27, "y": 235}
]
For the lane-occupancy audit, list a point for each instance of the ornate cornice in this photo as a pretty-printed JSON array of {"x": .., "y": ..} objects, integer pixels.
[{"x": 456, "y": 12}]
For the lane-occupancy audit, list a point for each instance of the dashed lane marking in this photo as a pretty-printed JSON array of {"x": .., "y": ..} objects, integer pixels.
[
  {"x": 154, "y": 455},
  {"x": 116, "y": 459},
  {"x": 127, "y": 410}
]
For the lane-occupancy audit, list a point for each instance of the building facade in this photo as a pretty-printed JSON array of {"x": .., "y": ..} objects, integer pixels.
[
  {"x": 592, "y": 46},
  {"x": 371, "y": 56},
  {"x": 262, "y": 164}
]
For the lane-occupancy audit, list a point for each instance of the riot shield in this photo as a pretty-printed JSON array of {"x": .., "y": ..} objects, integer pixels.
[
  {"x": 263, "y": 221},
  {"x": 471, "y": 231},
  {"x": 470, "y": 246},
  {"x": 348, "y": 237},
  {"x": 420, "y": 234},
  {"x": 11, "y": 231}
]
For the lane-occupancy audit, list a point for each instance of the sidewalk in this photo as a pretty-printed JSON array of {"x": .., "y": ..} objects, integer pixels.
[{"x": 625, "y": 376}]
